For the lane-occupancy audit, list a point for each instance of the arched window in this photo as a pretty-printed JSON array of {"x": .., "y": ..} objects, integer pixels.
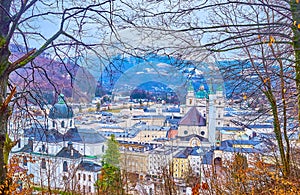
[
  {"x": 62, "y": 124},
  {"x": 71, "y": 123},
  {"x": 218, "y": 161},
  {"x": 65, "y": 166}
]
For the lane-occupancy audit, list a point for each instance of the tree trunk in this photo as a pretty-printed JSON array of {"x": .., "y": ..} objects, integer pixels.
[
  {"x": 5, "y": 22},
  {"x": 295, "y": 7},
  {"x": 277, "y": 131},
  {"x": 4, "y": 114}
]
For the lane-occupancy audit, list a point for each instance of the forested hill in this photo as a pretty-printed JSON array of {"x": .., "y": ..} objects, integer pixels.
[{"x": 46, "y": 76}]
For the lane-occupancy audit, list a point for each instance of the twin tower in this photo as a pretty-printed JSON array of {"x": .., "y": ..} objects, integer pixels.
[{"x": 203, "y": 113}]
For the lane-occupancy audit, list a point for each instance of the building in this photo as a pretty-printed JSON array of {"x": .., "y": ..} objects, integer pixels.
[
  {"x": 55, "y": 151},
  {"x": 159, "y": 159},
  {"x": 204, "y": 112}
]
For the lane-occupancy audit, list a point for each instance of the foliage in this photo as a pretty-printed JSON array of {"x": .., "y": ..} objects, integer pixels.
[
  {"x": 239, "y": 165},
  {"x": 256, "y": 178},
  {"x": 17, "y": 180},
  {"x": 98, "y": 106},
  {"x": 112, "y": 153},
  {"x": 109, "y": 181}
]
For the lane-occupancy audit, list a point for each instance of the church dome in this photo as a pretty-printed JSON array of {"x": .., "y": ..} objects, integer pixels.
[
  {"x": 202, "y": 93},
  {"x": 61, "y": 110}
]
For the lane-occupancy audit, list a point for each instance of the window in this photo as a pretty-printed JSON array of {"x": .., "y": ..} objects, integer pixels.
[
  {"x": 103, "y": 148},
  {"x": 65, "y": 166},
  {"x": 202, "y": 133},
  {"x": 90, "y": 189},
  {"x": 43, "y": 164},
  {"x": 90, "y": 178},
  {"x": 185, "y": 132},
  {"x": 71, "y": 123},
  {"x": 63, "y": 124},
  {"x": 79, "y": 177},
  {"x": 19, "y": 143},
  {"x": 83, "y": 177},
  {"x": 43, "y": 148},
  {"x": 53, "y": 124}
]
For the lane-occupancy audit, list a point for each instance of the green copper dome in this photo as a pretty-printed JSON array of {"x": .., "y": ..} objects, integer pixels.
[
  {"x": 61, "y": 110},
  {"x": 202, "y": 93}
]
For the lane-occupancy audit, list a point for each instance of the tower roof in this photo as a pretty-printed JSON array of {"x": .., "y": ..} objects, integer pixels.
[
  {"x": 220, "y": 87},
  {"x": 190, "y": 87},
  {"x": 202, "y": 93},
  {"x": 61, "y": 110}
]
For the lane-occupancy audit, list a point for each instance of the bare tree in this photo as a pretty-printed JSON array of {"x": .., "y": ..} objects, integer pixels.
[
  {"x": 63, "y": 28},
  {"x": 262, "y": 36}
]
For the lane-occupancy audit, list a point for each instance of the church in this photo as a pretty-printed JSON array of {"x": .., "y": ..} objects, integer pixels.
[
  {"x": 59, "y": 154},
  {"x": 203, "y": 113}
]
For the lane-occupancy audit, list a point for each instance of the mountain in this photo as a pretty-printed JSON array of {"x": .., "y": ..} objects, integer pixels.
[{"x": 46, "y": 76}]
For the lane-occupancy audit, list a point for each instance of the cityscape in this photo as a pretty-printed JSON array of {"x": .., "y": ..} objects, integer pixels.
[
  {"x": 67, "y": 145},
  {"x": 149, "y": 97}
]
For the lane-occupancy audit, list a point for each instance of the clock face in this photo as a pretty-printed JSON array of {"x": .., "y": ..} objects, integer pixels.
[{"x": 194, "y": 142}]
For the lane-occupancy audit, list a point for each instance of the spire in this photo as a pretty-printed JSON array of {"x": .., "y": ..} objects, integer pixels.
[
  {"x": 61, "y": 99},
  {"x": 190, "y": 87},
  {"x": 220, "y": 87}
]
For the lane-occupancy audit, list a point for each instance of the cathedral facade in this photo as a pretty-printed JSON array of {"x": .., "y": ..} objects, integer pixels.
[{"x": 203, "y": 113}]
